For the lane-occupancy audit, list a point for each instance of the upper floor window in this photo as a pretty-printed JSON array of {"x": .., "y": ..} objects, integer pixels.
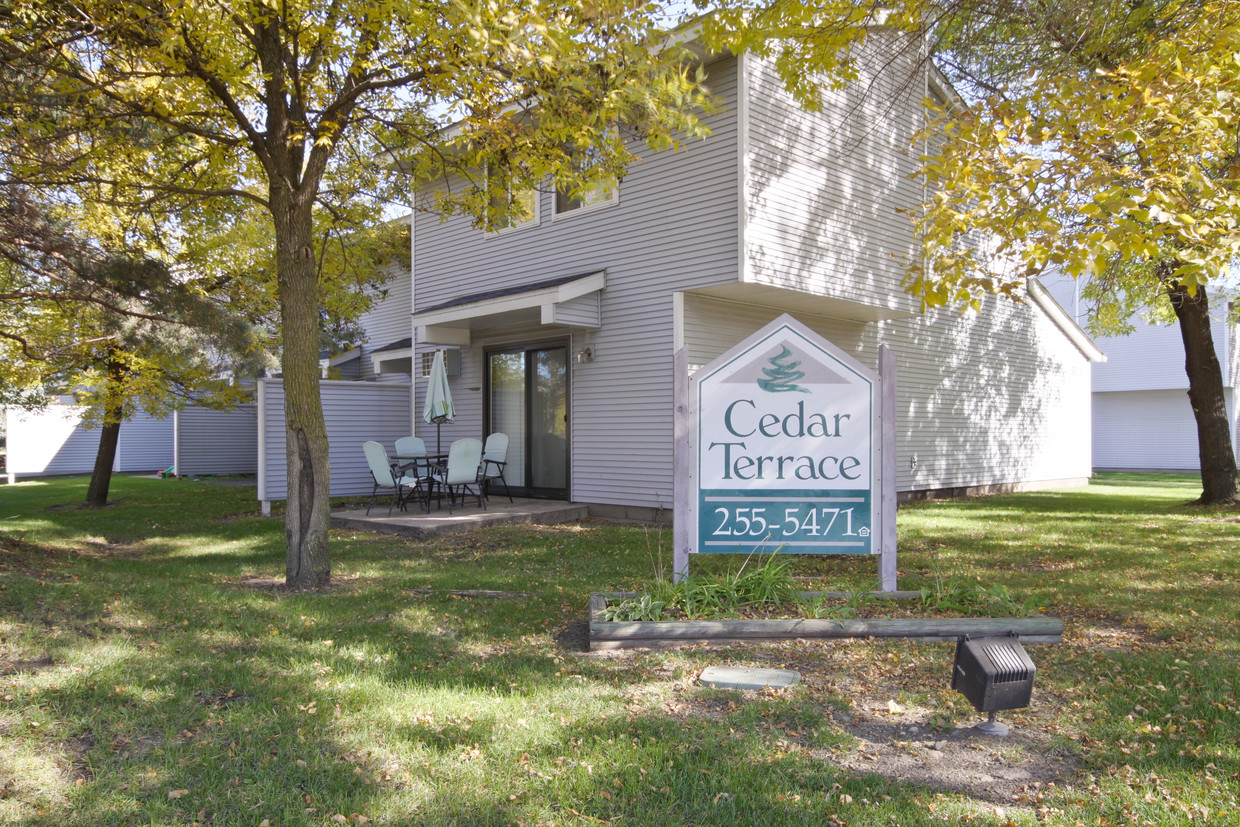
[
  {"x": 513, "y": 209},
  {"x": 567, "y": 201},
  {"x": 570, "y": 200}
]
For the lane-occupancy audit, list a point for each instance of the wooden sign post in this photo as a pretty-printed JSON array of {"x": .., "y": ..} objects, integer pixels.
[{"x": 786, "y": 444}]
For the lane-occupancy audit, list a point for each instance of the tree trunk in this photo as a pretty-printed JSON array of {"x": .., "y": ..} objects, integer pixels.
[
  {"x": 308, "y": 563},
  {"x": 109, "y": 436},
  {"x": 1205, "y": 392}
]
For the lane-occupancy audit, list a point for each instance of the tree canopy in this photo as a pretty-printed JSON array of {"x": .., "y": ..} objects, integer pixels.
[
  {"x": 177, "y": 113},
  {"x": 1097, "y": 138},
  {"x": 113, "y": 327}
]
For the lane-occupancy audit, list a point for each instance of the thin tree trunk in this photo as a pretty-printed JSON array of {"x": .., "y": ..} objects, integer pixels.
[
  {"x": 109, "y": 436},
  {"x": 308, "y": 564},
  {"x": 1205, "y": 392}
]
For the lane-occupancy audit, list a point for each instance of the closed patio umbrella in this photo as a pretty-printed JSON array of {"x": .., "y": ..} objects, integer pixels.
[{"x": 438, "y": 407}]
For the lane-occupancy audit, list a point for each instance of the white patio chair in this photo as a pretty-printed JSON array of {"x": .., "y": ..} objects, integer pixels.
[
  {"x": 461, "y": 472},
  {"x": 494, "y": 461},
  {"x": 410, "y": 448},
  {"x": 384, "y": 477},
  {"x": 413, "y": 462}
]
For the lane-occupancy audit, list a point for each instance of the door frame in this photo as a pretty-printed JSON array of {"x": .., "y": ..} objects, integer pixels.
[{"x": 526, "y": 347}]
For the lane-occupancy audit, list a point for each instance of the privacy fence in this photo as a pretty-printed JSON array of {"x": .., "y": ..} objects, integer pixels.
[
  {"x": 355, "y": 412},
  {"x": 194, "y": 441}
]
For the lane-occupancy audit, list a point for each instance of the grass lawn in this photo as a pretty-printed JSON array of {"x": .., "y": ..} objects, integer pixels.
[{"x": 152, "y": 671}]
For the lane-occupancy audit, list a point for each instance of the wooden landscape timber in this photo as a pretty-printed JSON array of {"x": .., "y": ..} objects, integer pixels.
[{"x": 663, "y": 633}]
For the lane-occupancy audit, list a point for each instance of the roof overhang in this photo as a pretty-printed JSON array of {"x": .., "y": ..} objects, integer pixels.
[
  {"x": 796, "y": 301},
  {"x": 565, "y": 302},
  {"x": 1042, "y": 297},
  {"x": 338, "y": 359},
  {"x": 396, "y": 357}
]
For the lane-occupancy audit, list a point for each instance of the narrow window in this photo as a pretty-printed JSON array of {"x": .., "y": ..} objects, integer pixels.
[{"x": 568, "y": 200}]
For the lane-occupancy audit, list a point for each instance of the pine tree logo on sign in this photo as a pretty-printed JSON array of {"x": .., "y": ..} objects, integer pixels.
[{"x": 781, "y": 376}]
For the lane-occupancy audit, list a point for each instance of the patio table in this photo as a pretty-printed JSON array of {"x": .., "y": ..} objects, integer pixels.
[
  {"x": 428, "y": 461},
  {"x": 403, "y": 464}
]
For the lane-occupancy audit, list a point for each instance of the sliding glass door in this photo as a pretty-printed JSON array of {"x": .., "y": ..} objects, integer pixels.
[{"x": 527, "y": 398}]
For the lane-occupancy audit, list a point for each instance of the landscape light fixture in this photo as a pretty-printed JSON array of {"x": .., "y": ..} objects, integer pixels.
[{"x": 993, "y": 673}]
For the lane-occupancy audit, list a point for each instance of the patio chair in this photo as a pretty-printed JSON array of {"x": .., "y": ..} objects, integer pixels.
[
  {"x": 413, "y": 461},
  {"x": 461, "y": 472},
  {"x": 384, "y": 477},
  {"x": 494, "y": 461},
  {"x": 409, "y": 448}
]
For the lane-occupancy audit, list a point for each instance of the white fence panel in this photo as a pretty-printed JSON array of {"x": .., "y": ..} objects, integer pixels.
[
  {"x": 54, "y": 441},
  {"x": 355, "y": 412}
]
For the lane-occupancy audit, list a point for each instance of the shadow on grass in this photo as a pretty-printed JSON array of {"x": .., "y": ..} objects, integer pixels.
[{"x": 169, "y": 673}]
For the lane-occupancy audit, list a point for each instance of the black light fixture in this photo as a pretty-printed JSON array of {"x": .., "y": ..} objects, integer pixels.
[{"x": 994, "y": 673}]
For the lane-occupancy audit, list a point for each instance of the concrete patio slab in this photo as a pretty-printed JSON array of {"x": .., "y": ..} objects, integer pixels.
[{"x": 418, "y": 524}]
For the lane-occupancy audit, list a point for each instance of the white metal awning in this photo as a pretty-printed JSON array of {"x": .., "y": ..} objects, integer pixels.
[
  {"x": 328, "y": 362},
  {"x": 569, "y": 302},
  {"x": 396, "y": 357}
]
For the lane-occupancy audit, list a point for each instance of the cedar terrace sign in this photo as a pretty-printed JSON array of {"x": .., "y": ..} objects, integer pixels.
[{"x": 787, "y": 444}]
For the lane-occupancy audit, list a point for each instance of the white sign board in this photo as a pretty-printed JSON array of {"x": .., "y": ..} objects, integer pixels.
[{"x": 784, "y": 449}]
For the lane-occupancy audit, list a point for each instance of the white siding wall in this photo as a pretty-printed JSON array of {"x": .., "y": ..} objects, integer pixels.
[
  {"x": 53, "y": 441},
  {"x": 824, "y": 190},
  {"x": 1233, "y": 352},
  {"x": 216, "y": 442},
  {"x": 387, "y": 321},
  {"x": 355, "y": 412},
  {"x": 674, "y": 227},
  {"x": 985, "y": 399},
  {"x": 1152, "y": 356},
  {"x": 1149, "y": 430},
  {"x": 1141, "y": 414},
  {"x": 145, "y": 444}
]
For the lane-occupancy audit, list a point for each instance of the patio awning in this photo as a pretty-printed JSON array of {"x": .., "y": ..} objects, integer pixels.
[
  {"x": 327, "y": 361},
  {"x": 396, "y": 357},
  {"x": 573, "y": 301}
]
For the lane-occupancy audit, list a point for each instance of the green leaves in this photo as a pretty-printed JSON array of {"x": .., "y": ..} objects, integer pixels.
[{"x": 1089, "y": 171}]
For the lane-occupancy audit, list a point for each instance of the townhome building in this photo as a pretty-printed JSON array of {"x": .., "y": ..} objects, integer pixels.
[
  {"x": 561, "y": 328},
  {"x": 1142, "y": 419}
]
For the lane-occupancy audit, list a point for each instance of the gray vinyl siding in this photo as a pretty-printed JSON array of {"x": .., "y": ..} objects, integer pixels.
[
  {"x": 984, "y": 399},
  {"x": 145, "y": 444},
  {"x": 673, "y": 227},
  {"x": 216, "y": 442},
  {"x": 53, "y": 441},
  {"x": 355, "y": 412},
  {"x": 350, "y": 370},
  {"x": 1232, "y": 364},
  {"x": 824, "y": 190},
  {"x": 1142, "y": 419},
  {"x": 1149, "y": 430},
  {"x": 996, "y": 397},
  {"x": 1152, "y": 358},
  {"x": 386, "y": 321}
]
